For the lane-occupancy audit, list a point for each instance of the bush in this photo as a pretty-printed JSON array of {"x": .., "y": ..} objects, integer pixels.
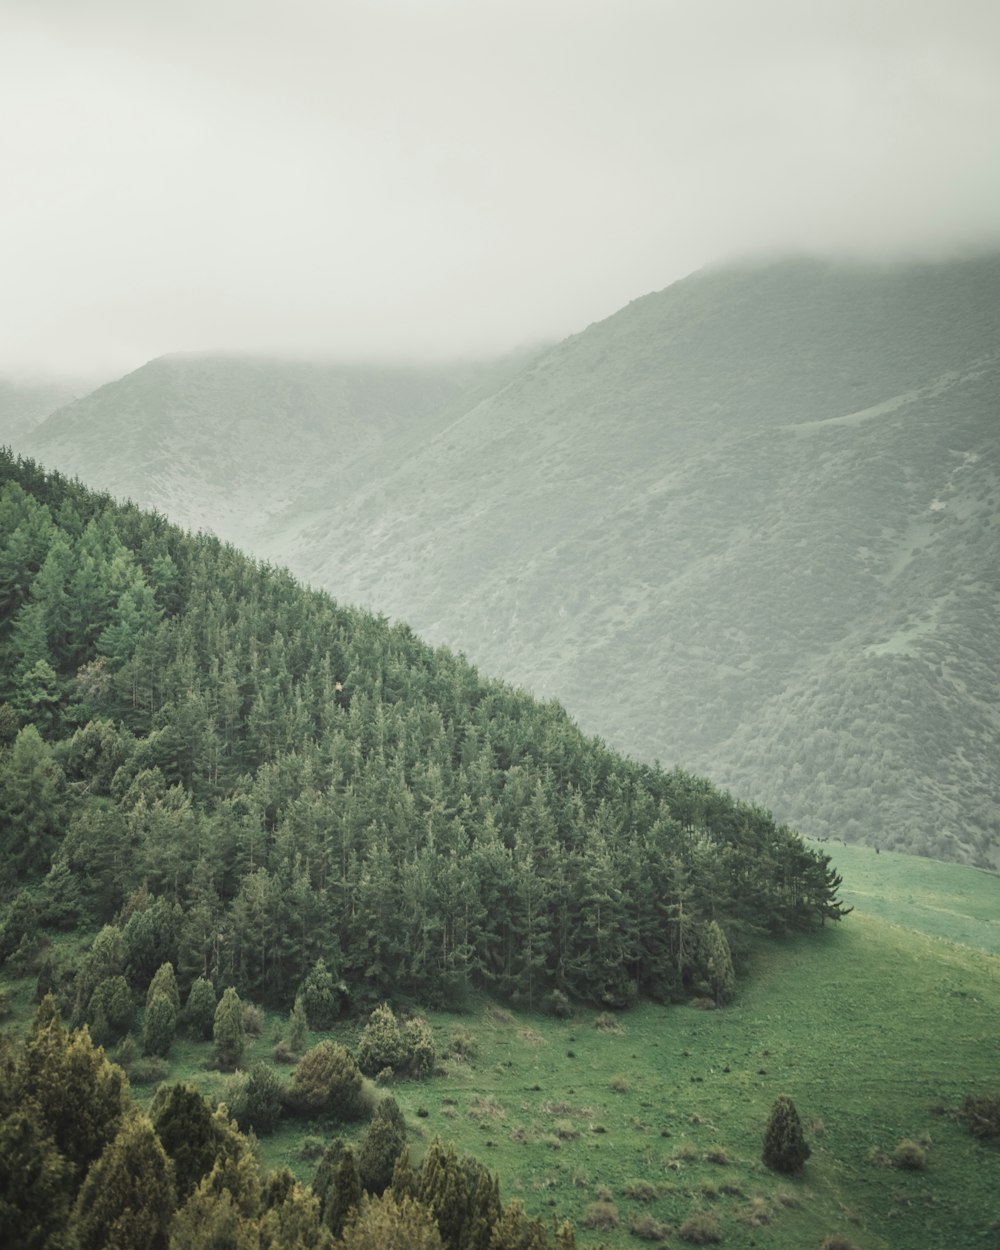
[
  {"x": 384, "y": 1044},
  {"x": 311, "y": 1148},
  {"x": 620, "y": 1084},
  {"x": 383, "y": 1142},
  {"x": 700, "y": 1229},
  {"x": 253, "y": 1020},
  {"x": 559, "y": 1005},
  {"x": 837, "y": 1242},
  {"x": 601, "y": 1216},
  {"x": 981, "y": 1114},
  {"x": 910, "y": 1156},
  {"x": 254, "y": 1099},
  {"x": 327, "y": 1082},
  {"x": 647, "y": 1229},
  {"x": 641, "y": 1191},
  {"x": 607, "y": 1023}
]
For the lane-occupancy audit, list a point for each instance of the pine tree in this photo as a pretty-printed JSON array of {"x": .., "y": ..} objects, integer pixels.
[
  {"x": 35, "y": 1185},
  {"x": 785, "y": 1147},
  {"x": 227, "y": 1030}
]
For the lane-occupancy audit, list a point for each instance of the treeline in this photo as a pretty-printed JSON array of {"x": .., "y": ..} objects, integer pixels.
[
  {"x": 245, "y": 777},
  {"x": 84, "y": 1168}
]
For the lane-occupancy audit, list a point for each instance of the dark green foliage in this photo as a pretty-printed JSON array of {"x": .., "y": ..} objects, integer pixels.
[
  {"x": 327, "y": 1081},
  {"x": 227, "y": 1030},
  {"x": 184, "y": 1125},
  {"x": 381, "y": 1145},
  {"x": 112, "y": 1000},
  {"x": 384, "y": 1043},
  {"x": 320, "y": 996},
  {"x": 199, "y": 1011},
  {"x": 159, "y": 1026},
  {"x": 910, "y": 1156},
  {"x": 718, "y": 963},
  {"x": 243, "y": 823},
  {"x": 785, "y": 1147},
  {"x": 35, "y": 1185},
  {"x": 258, "y": 1101},
  {"x": 128, "y": 1197},
  {"x": 337, "y": 1185}
]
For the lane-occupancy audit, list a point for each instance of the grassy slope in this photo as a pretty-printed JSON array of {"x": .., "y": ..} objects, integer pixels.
[{"x": 871, "y": 1026}]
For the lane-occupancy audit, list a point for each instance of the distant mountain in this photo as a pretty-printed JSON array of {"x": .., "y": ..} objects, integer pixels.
[
  {"x": 24, "y": 404},
  {"x": 747, "y": 524}
]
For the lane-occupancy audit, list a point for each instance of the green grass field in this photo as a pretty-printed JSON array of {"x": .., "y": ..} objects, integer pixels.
[{"x": 876, "y": 1029}]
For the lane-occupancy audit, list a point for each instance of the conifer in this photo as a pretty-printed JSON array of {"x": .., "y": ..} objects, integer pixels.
[
  {"x": 785, "y": 1147},
  {"x": 227, "y": 1030}
]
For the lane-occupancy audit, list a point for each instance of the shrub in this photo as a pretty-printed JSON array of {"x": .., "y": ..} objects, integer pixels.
[
  {"x": 641, "y": 1191},
  {"x": 910, "y": 1156},
  {"x": 464, "y": 1044},
  {"x": 283, "y": 1053},
  {"x": 253, "y": 1020},
  {"x": 981, "y": 1114},
  {"x": 607, "y": 1023},
  {"x": 620, "y": 1084},
  {"x": 114, "y": 998},
  {"x": 785, "y": 1148},
  {"x": 717, "y": 1154},
  {"x": 560, "y": 1005},
  {"x": 419, "y": 1042},
  {"x": 311, "y": 1148},
  {"x": 647, "y": 1229},
  {"x": 327, "y": 1082},
  {"x": 837, "y": 1242},
  {"x": 700, "y": 1229},
  {"x": 254, "y": 1099},
  {"x": 601, "y": 1216},
  {"x": 381, "y": 1044}
]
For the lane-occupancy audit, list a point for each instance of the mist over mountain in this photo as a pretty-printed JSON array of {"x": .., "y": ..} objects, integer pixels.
[{"x": 746, "y": 524}]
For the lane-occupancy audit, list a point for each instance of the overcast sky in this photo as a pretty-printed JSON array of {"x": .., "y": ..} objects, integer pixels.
[{"x": 377, "y": 177}]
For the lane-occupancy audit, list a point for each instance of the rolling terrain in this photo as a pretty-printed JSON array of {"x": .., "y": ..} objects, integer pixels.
[{"x": 747, "y": 524}]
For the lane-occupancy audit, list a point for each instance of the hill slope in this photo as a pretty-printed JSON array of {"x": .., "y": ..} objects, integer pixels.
[{"x": 746, "y": 524}]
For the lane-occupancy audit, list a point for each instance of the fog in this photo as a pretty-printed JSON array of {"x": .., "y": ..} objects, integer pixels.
[{"x": 436, "y": 177}]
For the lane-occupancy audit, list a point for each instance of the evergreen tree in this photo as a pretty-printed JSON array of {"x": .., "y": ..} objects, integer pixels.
[
  {"x": 128, "y": 1197},
  {"x": 159, "y": 1026},
  {"x": 718, "y": 962},
  {"x": 227, "y": 1030},
  {"x": 320, "y": 996},
  {"x": 337, "y": 1185},
  {"x": 381, "y": 1044},
  {"x": 298, "y": 1027},
  {"x": 381, "y": 1145},
  {"x": 184, "y": 1125},
  {"x": 785, "y": 1147},
  {"x": 388, "y": 1223},
  {"x": 199, "y": 1011},
  {"x": 35, "y": 1185}
]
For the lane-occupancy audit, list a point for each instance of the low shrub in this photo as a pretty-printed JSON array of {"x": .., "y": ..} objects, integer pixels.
[
  {"x": 700, "y": 1229},
  {"x": 836, "y": 1242},
  {"x": 717, "y": 1154},
  {"x": 253, "y": 1020},
  {"x": 601, "y": 1216},
  {"x": 641, "y": 1191},
  {"x": 981, "y": 1114},
  {"x": 620, "y": 1084},
  {"x": 311, "y": 1148},
  {"x": 647, "y": 1229},
  {"x": 607, "y": 1023},
  {"x": 910, "y": 1156}
]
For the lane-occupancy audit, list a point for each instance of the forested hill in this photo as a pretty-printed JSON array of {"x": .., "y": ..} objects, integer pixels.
[
  {"x": 246, "y": 777},
  {"x": 746, "y": 524}
]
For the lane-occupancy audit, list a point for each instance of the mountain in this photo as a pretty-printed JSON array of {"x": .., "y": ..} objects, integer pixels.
[
  {"x": 24, "y": 404},
  {"x": 746, "y": 524}
]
